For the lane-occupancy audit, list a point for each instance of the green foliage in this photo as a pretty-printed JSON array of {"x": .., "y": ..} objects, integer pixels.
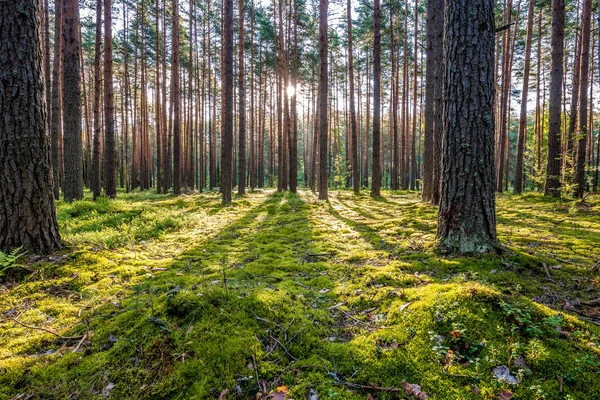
[{"x": 8, "y": 261}]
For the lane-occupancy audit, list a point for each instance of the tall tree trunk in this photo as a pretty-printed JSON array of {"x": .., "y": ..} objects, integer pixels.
[
  {"x": 518, "y": 188},
  {"x": 323, "y": 89},
  {"x": 582, "y": 120},
  {"x": 467, "y": 221},
  {"x": 293, "y": 110},
  {"x": 504, "y": 98},
  {"x": 96, "y": 158},
  {"x": 227, "y": 136},
  {"x": 72, "y": 139},
  {"x": 242, "y": 106},
  {"x": 252, "y": 161},
  {"x": 110, "y": 149},
  {"x": 433, "y": 102},
  {"x": 376, "y": 179},
  {"x": 556, "y": 80},
  {"x": 27, "y": 212},
  {"x": 394, "y": 109},
  {"x": 56, "y": 114},
  {"x": 354, "y": 141},
  {"x": 159, "y": 121},
  {"x": 176, "y": 99},
  {"x": 413, "y": 147}
]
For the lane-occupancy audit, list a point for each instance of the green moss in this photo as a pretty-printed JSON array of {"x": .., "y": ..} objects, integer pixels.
[{"x": 179, "y": 297}]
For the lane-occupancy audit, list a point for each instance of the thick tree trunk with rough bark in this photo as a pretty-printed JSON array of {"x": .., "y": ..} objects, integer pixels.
[
  {"x": 72, "y": 139},
  {"x": 27, "y": 212},
  {"x": 376, "y": 178},
  {"x": 110, "y": 148},
  {"x": 467, "y": 221},
  {"x": 227, "y": 137},
  {"x": 323, "y": 89},
  {"x": 554, "y": 118}
]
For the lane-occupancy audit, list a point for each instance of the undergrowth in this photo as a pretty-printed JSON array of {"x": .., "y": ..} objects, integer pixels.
[{"x": 178, "y": 297}]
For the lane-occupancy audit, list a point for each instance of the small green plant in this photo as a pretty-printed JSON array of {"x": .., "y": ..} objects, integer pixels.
[{"x": 8, "y": 261}]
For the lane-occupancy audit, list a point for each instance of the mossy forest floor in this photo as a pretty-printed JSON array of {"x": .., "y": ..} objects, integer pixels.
[{"x": 286, "y": 296}]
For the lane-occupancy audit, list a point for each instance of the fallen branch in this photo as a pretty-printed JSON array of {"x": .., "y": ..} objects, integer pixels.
[
  {"x": 594, "y": 302},
  {"x": 365, "y": 387},
  {"x": 79, "y": 344},
  {"x": 47, "y": 330}
]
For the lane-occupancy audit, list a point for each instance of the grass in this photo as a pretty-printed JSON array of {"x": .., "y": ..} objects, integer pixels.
[{"x": 179, "y": 297}]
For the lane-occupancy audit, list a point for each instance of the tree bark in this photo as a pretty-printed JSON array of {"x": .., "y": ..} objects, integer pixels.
[
  {"x": 72, "y": 139},
  {"x": 27, "y": 211},
  {"x": 242, "y": 107},
  {"x": 518, "y": 188},
  {"x": 553, "y": 185},
  {"x": 96, "y": 158},
  {"x": 467, "y": 221},
  {"x": 110, "y": 148},
  {"x": 376, "y": 178},
  {"x": 582, "y": 120},
  {"x": 354, "y": 141},
  {"x": 56, "y": 114},
  {"x": 175, "y": 99},
  {"x": 323, "y": 89},
  {"x": 227, "y": 137}
]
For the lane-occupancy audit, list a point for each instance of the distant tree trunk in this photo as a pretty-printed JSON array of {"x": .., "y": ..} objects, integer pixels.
[
  {"x": 72, "y": 139},
  {"x": 394, "y": 185},
  {"x": 159, "y": 121},
  {"x": 166, "y": 135},
  {"x": 504, "y": 98},
  {"x": 368, "y": 127},
  {"x": 56, "y": 115},
  {"x": 467, "y": 221},
  {"x": 556, "y": 80},
  {"x": 597, "y": 169},
  {"x": 27, "y": 212},
  {"x": 582, "y": 121},
  {"x": 293, "y": 110},
  {"x": 242, "y": 107},
  {"x": 433, "y": 102},
  {"x": 284, "y": 82},
  {"x": 575, "y": 86},
  {"x": 96, "y": 158},
  {"x": 376, "y": 178},
  {"x": 354, "y": 144},
  {"x": 252, "y": 160},
  {"x": 404, "y": 154},
  {"x": 413, "y": 147},
  {"x": 518, "y": 188},
  {"x": 323, "y": 89},
  {"x": 110, "y": 148},
  {"x": 47, "y": 71},
  {"x": 227, "y": 136},
  {"x": 538, "y": 109},
  {"x": 175, "y": 99}
]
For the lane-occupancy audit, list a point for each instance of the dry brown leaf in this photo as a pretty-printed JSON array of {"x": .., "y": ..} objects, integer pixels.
[
  {"x": 223, "y": 394},
  {"x": 505, "y": 395}
]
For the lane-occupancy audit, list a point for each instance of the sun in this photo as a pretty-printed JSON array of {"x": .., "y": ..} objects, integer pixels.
[{"x": 291, "y": 90}]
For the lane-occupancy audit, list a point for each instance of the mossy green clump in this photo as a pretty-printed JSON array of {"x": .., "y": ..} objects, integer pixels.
[{"x": 179, "y": 297}]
